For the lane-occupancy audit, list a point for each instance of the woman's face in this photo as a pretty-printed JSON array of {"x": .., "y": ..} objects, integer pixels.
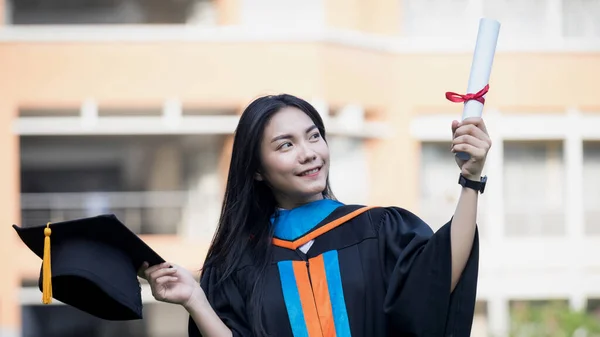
[{"x": 295, "y": 158}]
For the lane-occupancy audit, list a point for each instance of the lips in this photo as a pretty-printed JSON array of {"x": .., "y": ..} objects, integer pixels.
[{"x": 310, "y": 171}]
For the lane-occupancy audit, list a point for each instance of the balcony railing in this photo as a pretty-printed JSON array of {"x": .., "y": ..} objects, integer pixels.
[{"x": 168, "y": 212}]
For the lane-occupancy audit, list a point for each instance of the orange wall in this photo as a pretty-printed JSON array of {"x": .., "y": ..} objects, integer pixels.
[
  {"x": 9, "y": 214},
  {"x": 375, "y": 16},
  {"x": 132, "y": 73},
  {"x": 215, "y": 73},
  {"x": 227, "y": 11}
]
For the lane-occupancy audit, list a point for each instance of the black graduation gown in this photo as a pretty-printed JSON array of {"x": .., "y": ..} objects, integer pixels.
[{"x": 382, "y": 273}]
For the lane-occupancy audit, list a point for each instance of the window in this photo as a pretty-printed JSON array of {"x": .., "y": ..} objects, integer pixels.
[
  {"x": 591, "y": 187},
  {"x": 580, "y": 18},
  {"x": 533, "y": 188},
  {"x": 154, "y": 184},
  {"x": 112, "y": 12}
]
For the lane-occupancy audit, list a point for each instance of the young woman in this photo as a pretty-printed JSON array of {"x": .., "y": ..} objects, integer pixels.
[{"x": 288, "y": 259}]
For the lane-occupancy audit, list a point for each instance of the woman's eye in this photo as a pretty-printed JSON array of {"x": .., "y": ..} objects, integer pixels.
[
  {"x": 316, "y": 135},
  {"x": 284, "y": 145}
]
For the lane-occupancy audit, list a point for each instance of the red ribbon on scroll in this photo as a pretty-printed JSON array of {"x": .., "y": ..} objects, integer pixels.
[{"x": 478, "y": 96}]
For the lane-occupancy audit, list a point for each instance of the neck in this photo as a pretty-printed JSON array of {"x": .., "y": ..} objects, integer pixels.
[{"x": 291, "y": 203}]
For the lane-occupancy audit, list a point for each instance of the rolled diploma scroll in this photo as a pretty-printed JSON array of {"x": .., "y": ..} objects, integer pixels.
[{"x": 481, "y": 67}]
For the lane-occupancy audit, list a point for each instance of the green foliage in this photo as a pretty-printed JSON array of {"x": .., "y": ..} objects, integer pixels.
[{"x": 554, "y": 319}]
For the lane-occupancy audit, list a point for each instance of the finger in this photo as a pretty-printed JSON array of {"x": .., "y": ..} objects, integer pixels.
[
  {"x": 154, "y": 268},
  {"x": 141, "y": 271},
  {"x": 483, "y": 127},
  {"x": 474, "y": 151},
  {"x": 476, "y": 121},
  {"x": 151, "y": 271},
  {"x": 165, "y": 279},
  {"x": 473, "y": 131},
  {"x": 472, "y": 120},
  {"x": 162, "y": 272},
  {"x": 454, "y": 126},
  {"x": 468, "y": 139}
]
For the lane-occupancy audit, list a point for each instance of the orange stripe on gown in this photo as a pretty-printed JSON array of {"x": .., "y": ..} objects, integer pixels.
[
  {"x": 306, "y": 298},
  {"x": 321, "y": 291}
]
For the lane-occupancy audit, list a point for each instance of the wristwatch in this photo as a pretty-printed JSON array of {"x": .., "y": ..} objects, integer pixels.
[{"x": 476, "y": 185}]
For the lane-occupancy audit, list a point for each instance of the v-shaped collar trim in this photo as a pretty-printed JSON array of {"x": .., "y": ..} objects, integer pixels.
[
  {"x": 293, "y": 245},
  {"x": 292, "y": 224}
]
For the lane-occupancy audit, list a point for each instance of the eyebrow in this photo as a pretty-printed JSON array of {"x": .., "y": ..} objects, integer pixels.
[{"x": 287, "y": 136}]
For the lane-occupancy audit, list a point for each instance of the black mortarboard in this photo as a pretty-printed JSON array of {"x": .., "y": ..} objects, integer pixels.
[{"x": 91, "y": 265}]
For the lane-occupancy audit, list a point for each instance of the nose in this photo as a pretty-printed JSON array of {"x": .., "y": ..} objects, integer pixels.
[{"x": 306, "y": 154}]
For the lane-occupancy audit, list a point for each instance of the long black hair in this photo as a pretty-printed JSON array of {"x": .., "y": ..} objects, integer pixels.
[{"x": 244, "y": 227}]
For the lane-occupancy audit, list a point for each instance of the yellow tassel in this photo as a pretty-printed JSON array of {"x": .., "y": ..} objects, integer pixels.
[{"x": 46, "y": 268}]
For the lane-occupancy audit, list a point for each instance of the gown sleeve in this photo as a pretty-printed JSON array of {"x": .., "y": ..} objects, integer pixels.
[
  {"x": 227, "y": 301},
  {"x": 417, "y": 268}
]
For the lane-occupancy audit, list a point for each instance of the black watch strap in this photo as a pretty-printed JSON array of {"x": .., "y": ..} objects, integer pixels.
[{"x": 476, "y": 185}]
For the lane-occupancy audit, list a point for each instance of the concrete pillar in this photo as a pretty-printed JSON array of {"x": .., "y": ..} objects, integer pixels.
[
  {"x": 228, "y": 12},
  {"x": 493, "y": 230},
  {"x": 10, "y": 313},
  {"x": 493, "y": 223},
  {"x": 351, "y": 116},
  {"x": 349, "y": 170},
  {"x": 165, "y": 175},
  {"x": 201, "y": 213},
  {"x": 578, "y": 301},
  {"x": 574, "y": 208},
  {"x": 225, "y": 161},
  {"x": 554, "y": 13},
  {"x": 5, "y": 15},
  {"x": 165, "y": 172},
  {"x": 387, "y": 161},
  {"x": 573, "y": 152},
  {"x": 498, "y": 317},
  {"x": 323, "y": 109}
]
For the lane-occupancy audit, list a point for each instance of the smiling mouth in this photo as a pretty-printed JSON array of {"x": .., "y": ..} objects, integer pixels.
[{"x": 310, "y": 172}]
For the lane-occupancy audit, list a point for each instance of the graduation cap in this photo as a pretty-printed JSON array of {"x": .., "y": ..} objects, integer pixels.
[{"x": 92, "y": 265}]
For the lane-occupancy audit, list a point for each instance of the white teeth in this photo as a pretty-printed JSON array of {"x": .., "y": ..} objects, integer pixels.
[{"x": 310, "y": 172}]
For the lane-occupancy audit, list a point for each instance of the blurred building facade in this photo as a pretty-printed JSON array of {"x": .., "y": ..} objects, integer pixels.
[{"x": 128, "y": 107}]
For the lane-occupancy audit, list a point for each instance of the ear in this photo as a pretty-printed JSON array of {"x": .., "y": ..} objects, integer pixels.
[{"x": 258, "y": 176}]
